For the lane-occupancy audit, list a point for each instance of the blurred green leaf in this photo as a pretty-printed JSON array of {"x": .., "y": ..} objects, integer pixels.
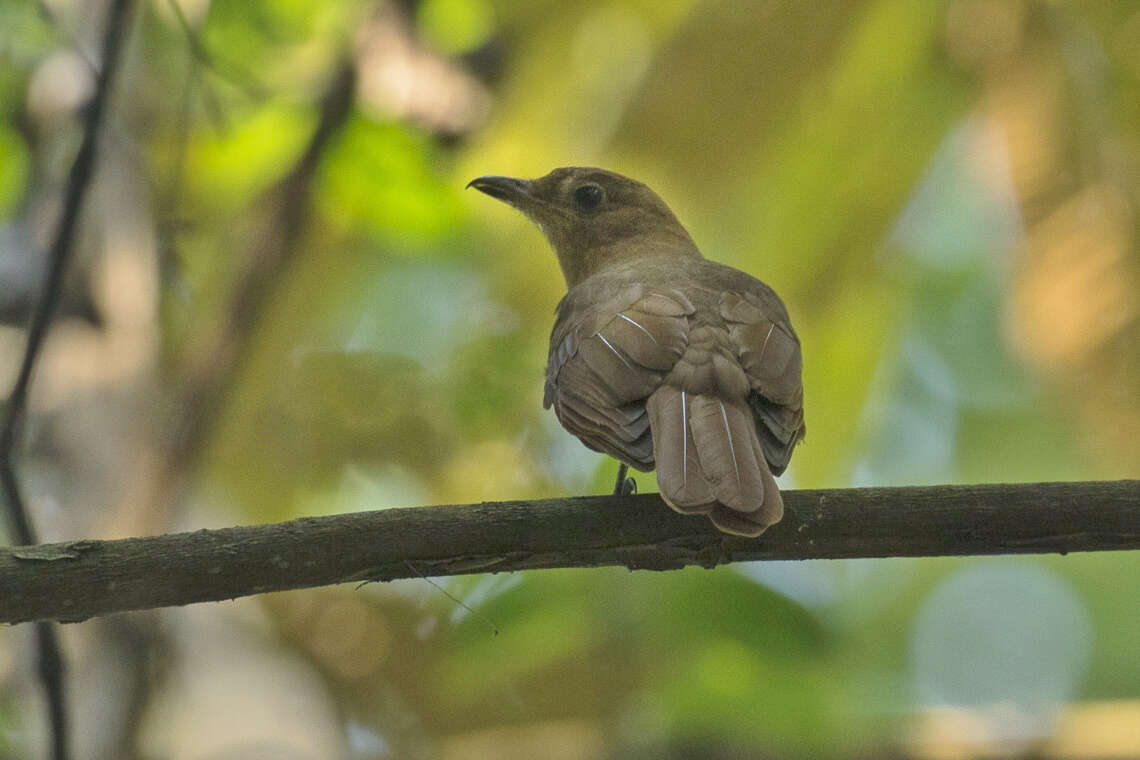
[
  {"x": 14, "y": 170},
  {"x": 226, "y": 171},
  {"x": 330, "y": 411},
  {"x": 25, "y": 35},
  {"x": 455, "y": 26},
  {"x": 277, "y": 42},
  {"x": 381, "y": 177}
]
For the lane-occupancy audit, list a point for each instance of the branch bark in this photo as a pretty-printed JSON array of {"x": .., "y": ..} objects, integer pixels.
[{"x": 80, "y": 579}]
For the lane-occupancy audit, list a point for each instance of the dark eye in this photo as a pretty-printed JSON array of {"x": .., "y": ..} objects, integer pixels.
[{"x": 588, "y": 197}]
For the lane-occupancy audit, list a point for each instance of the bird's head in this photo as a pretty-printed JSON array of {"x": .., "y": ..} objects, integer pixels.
[{"x": 592, "y": 217}]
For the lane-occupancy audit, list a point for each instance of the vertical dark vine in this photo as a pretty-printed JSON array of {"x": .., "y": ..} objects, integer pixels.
[{"x": 50, "y": 663}]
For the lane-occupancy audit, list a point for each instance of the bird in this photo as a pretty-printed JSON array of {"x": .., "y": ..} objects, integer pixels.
[{"x": 660, "y": 357}]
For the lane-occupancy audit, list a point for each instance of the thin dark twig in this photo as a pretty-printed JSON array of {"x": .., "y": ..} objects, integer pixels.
[
  {"x": 169, "y": 224},
  {"x": 233, "y": 73},
  {"x": 82, "y": 172},
  {"x": 209, "y": 373},
  {"x": 481, "y": 615},
  {"x": 50, "y": 664},
  {"x": 51, "y": 673},
  {"x": 68, "y": 36}
]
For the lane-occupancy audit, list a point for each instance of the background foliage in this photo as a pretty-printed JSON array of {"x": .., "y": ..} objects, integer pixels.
[{"x": 944, "y": 193}]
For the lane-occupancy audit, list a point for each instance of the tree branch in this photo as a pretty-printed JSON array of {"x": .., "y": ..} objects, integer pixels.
[{"x": 77, "y": 580}]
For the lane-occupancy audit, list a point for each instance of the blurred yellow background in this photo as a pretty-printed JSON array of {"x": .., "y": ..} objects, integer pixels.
[{"x": 944, "y": 193}]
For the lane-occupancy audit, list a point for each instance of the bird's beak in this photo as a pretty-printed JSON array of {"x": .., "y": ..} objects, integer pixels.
[{"x": 516, "y": 192}]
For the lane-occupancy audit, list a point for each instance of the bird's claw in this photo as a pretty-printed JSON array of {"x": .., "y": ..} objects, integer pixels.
[{"x": 624, "y": 486}]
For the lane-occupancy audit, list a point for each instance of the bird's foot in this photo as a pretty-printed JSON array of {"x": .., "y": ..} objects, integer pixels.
[{"x": 624, "y": 486}]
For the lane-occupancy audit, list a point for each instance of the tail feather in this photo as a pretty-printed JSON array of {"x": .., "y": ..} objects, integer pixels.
[
  {"x": 724, "y": 436},
  {"x": 679, "y": 473},
  {"x": 709, "y": 460}
]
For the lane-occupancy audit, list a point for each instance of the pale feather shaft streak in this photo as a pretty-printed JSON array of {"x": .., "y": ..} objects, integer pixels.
[
  {"x": 638, "y": 326},
  {"x": 731, "y": 447},
  {"x": 616, "y": 352},
  {"x": 764, "y": 348},
  {"x": 684, "y": 445}
]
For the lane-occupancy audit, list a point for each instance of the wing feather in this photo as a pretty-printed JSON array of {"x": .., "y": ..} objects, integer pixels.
[
  {"x": 606, "y": 360},
  {"x": 769, "y": 353}
]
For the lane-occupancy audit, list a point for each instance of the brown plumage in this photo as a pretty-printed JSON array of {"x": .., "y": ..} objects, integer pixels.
[{"x": 660, "y": 357}]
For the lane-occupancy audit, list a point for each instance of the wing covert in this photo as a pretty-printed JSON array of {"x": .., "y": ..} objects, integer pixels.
[
  {"x": 606, "y": 359},
  {"x": 769, "y": 352}
]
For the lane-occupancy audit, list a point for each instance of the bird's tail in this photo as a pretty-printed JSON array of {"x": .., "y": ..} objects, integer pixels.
[{"x": 709, "y": 461}]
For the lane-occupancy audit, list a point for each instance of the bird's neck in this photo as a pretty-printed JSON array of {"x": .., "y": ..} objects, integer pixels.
[{"x": 577, "y": 265}]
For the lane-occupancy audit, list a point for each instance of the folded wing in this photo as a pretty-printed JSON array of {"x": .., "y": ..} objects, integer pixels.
[
  {"x": 605, "y": 360},
  {"x": 769, "y": 353}
]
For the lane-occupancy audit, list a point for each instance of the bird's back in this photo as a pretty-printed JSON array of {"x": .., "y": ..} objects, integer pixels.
[{"x": 659, "y": 358}]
